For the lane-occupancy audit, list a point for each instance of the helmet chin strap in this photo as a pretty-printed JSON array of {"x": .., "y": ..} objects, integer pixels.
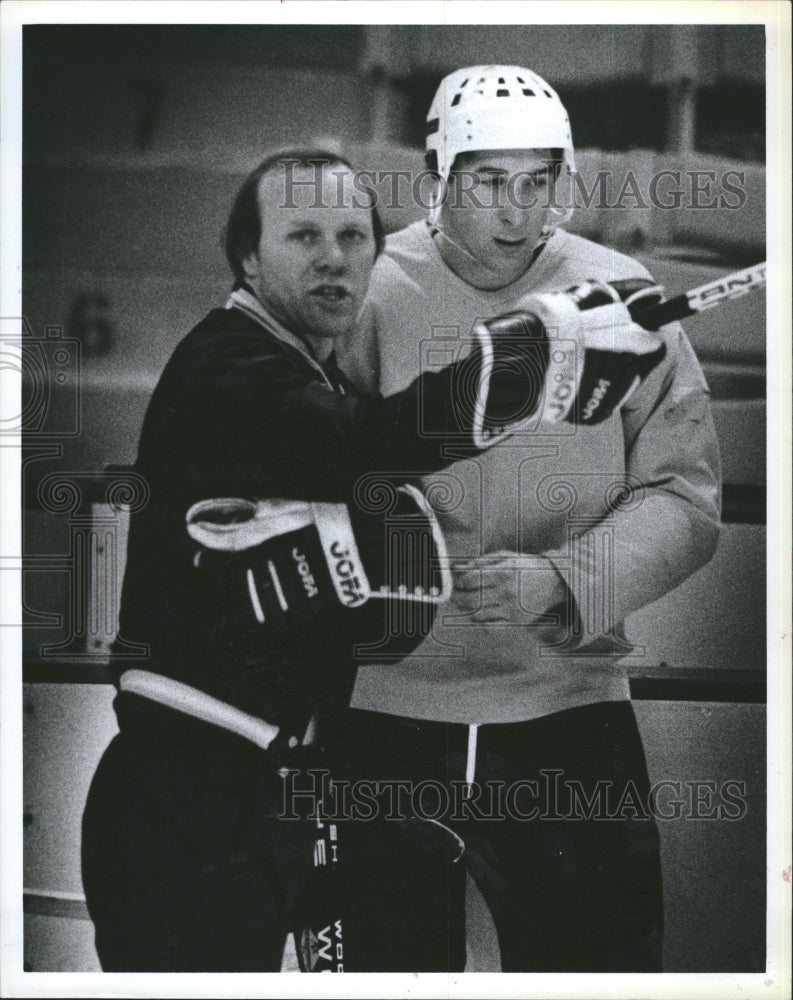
[{"x": 435, "y": 229}]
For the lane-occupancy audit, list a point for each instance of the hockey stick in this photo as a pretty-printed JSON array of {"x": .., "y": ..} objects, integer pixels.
[
  {"x": 346, "y": 922},
  {"x": 321, "y": 946},
  {"x": 319, "y": 924},
  {"x": 190, "y": 701},
  {"x": 731, "y": 286}
]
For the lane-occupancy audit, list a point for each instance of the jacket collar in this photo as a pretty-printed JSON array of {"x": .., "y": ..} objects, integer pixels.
[{"x": 248, "y": 303}]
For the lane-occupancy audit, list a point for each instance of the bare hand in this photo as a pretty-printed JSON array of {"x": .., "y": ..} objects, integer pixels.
[{"x": 510, "y": 588}]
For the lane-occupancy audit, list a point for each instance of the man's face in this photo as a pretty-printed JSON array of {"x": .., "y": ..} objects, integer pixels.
[
  {"x": 496, "y": 207},
  {"x": 315, "y": 255}
]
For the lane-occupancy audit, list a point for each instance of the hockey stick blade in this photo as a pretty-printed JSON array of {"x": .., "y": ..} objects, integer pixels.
[{"x": 731, "y": 286}]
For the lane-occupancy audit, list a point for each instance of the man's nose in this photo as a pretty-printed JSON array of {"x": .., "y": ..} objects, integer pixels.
[
  {"x": 510, "y": 212},
  {"x": 330, "y": 256}
]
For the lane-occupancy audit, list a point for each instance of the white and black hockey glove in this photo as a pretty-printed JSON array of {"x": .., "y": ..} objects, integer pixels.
[
  {"x": 366, "y": 585},
  {"x": 580, "y": 351}
]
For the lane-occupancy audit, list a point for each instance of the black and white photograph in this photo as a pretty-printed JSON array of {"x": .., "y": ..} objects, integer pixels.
[{"x": 395, "y": 526}]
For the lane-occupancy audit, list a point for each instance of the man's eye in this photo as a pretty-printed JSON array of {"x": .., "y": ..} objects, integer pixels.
[
  {"x": 537, "y": 180},
  {"x": 529, "y": 187},
  {"x": 353, "y": 237},
  {"x": 304, "y": 236}
]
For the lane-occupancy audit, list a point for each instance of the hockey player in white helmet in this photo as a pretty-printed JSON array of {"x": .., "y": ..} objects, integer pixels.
[
  {"x": 516, "y": 705},
  {"x": 487, "y": 109}
]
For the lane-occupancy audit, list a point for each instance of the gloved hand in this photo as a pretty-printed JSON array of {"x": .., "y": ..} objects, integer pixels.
[
  {"x": 580, "y": 350},
  {"x": 331, "y": 574}
]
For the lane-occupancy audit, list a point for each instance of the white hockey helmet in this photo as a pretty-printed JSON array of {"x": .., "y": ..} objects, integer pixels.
[{"x": 496, "y": 107}]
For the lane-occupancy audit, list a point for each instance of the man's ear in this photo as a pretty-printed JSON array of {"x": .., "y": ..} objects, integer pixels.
[{"x": 250, "y": 264}]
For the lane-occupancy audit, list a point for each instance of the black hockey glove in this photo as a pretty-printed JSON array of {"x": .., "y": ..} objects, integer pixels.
[
  {"x": 363, "y": 586},
  {"x": 580, "y": 349}
]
